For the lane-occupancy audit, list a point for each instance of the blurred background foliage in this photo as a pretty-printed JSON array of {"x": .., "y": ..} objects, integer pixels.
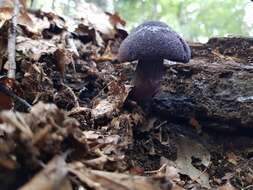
[{"x": 196, "y": 20}]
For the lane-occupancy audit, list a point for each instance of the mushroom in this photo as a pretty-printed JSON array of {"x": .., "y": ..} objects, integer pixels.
[{"x": 150, "y": 43}]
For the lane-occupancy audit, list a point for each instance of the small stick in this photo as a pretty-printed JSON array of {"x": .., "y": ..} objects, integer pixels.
[
  {"x": 12, "y": 41},
  {"x": 5, "y": 90},
  {"x": 202, "y": 173},
  {"x": 70, "y": 45},
  {"x": 156, "y": 171}
]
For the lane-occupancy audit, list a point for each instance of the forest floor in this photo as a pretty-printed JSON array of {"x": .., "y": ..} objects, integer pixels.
[{"x": 83, "y": 133}]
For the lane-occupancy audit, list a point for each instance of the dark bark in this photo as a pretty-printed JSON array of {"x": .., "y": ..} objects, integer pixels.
[{"x": 216, "y": 87}]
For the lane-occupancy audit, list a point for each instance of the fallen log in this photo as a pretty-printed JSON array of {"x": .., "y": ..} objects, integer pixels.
[{"x": 215, "y": 88}]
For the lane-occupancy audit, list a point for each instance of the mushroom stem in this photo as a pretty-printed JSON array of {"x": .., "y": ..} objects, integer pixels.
[{"x": 148, "y": 76}]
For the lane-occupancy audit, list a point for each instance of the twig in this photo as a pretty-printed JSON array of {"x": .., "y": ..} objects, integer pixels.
[
  {"x": 156, "y": 171},
  {"x": 12, "y": 41},
  {"x": 70, "y": 45},
  {"x": 202, "y": 173},
  {"x": 11, "y": 94},
  {"x": 248, "y": 187},
  {"x": 99, "y": 93}
]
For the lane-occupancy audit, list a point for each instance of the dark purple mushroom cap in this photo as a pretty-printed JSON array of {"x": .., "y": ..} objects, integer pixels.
[{"x": 154, "y": 40}]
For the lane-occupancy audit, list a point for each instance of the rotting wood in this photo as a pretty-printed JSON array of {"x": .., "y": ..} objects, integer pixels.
[{"x": 216, "y": 87}]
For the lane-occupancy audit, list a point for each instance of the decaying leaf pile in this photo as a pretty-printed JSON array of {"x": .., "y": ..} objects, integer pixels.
[{"x": 81, "y": 134}]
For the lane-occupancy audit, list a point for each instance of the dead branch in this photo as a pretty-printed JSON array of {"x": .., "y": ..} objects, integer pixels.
[{"x": 12, "y": 41}]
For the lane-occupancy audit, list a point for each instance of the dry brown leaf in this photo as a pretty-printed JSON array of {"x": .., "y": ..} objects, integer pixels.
[
  {"x": 232, "y": 158},
  {"x": 115, "y": 19},
  {"x": 42, "y": 131},
  {"x": 16, "y": 121},
  {"x": 33, "y": 49},
  {"x": 91, "y": 135},
  {"x": 39, "y": 23},
  {"x": 85, "y": 33},
  {"x": 186, "y": 149},
  {"x": 97, "y": 163},
  {"x": 227, "y": 186},
  {"x": 172, "y": 173},
  {"x": 6, "y": 10},
  {"x": 52, "y": 177},
  {"x": 106, "y": 107},
  {"x": 136, "y": 171},
  {"x": 97, "y": 18},
  {"x": 62, "y": 59},
  {"x": 104, "y": 58},
  {"x": 101, "y": 180}
]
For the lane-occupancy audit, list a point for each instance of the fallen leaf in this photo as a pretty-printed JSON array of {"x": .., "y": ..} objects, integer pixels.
[
  {"x": 96, "y": 18},
  {"x": 17, "y": 121},
  {"x": 52, "y": 177},
  {"x": 186, "y": 149},
  {"x": 61, "y": 60},
  {"x": 6, "y": 10},
  {"x": 136, "y": 171},
  {"x": 232, "y": 158},
  {"x": 97, "y": 163},
  {"x": 101, "y": 180},
  {"x": 33, "y": 49},
  {"x": 106, "y": 107},
  {"x": 227, "y": 186},
  {"x": 115, "y": 19}
]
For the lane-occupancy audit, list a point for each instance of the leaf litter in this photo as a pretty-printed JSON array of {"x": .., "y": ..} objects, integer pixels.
[{"x": 81, "y": 132}]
